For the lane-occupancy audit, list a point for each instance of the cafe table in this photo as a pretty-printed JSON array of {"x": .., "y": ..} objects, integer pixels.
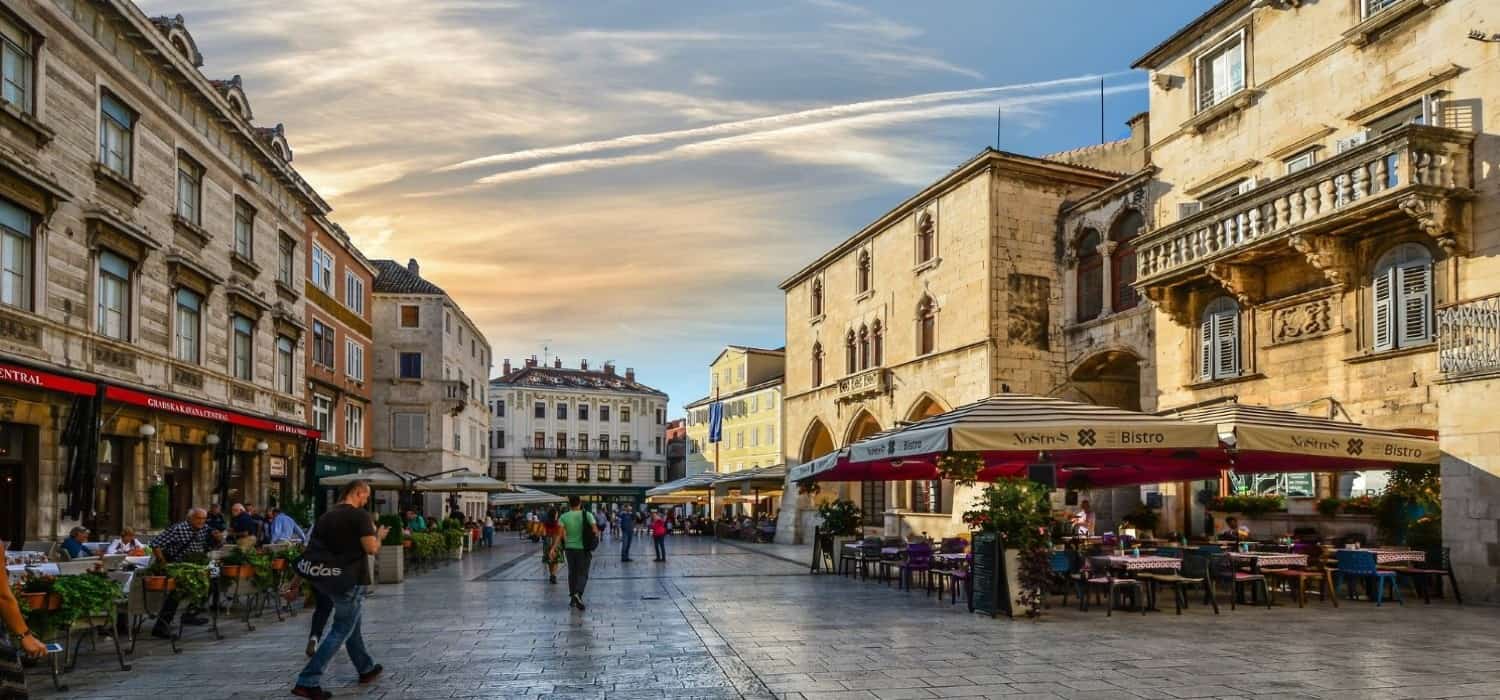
[
  {"x": 1128, "y": 563},
  {"x": 1397, "y": 556},
  {"x": 1261, "y": 560}
]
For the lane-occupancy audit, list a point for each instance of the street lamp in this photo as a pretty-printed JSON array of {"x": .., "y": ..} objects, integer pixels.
[{"x": 262, "y": 446}]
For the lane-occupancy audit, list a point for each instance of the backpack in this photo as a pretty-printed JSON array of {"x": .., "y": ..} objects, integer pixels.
[{"x": 590, "y": 536}]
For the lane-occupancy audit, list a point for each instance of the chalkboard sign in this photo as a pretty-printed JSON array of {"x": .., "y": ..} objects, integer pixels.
[{"x": 986, "y": 574}]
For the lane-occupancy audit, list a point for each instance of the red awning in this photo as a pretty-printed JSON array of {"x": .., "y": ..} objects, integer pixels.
[
  {"x": 12, "y": 374},
  {"x": 196, "y": 410}
]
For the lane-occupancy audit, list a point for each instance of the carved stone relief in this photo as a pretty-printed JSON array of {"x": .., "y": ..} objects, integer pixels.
[{"x": 1303, "y": 320}]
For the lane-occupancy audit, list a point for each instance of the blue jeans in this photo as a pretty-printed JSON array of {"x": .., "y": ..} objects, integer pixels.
[
  {"x": 347, "y": 609},
  {"x": 661, "y": 546},
  {"x": 626, "y": 536}
]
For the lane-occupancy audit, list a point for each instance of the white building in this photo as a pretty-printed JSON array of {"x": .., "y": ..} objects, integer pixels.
[{"x": 567, "y": 431}]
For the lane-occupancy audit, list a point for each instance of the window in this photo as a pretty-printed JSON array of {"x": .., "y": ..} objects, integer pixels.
[
  {"x": 864, "y": 347},
  {"x": 1122, "y": 259},
  {"x": 1221, "y": 72},
  {"x": 659, "y": 471},
  {"x": 1090, "y": 275},
  {"x": 286, "y": 261},
  {"x": 583, "y": 473},
  {"x": 1219, "y": 340},
  {"x": 411, "y": 316},
  {"x": 187, "y": 324},
  {"x": 624, "y": 414},
  {"x": 817, "y": 298},
  {"x": 322, "y": 344},
  {"x": 1301, "y": 161},
  {"x": 16, "y": 228},
  {"x": 561, "y": 445},
  {"x": 113, "y": 318},
  {"x": 562, "y": 411},
  {"x": 116, "y": 134},
  {"x": 559, "y": 472},
  {"x": 323, "y": 416},
  {"x": 926, "y": 496},
  {"x": 410, "y": 365},
  {"x": 926, "y": 237},
  {"x": 1368, "y": 8},
  {"x": 17, "y": 49},
  {"x": 354, "y": 425},
  {"x": 244, "y": 229},
  {"x": 189, "y": 190},
  {"x": 322, "y": 276},
  {"x": 242, "y": 347},
  {"x": 1226, "y": 193},
  {"x": 604, "y": 414},
  {"x": 354, "y": 292},
  {"x": 284, "y": 364},
  {"x": 817, "y": 365},
  {"x": 770, "y": 435},
  {"x": 739, "y": 439},
  {"x": 500, "y": 439},
  {"x": 354, "y": 360},
  {"x": 1402, "y": 288},
  {"x": 458, "y": 440},
  {"x": 872, "y": 497},
  {"x": 625, "y": 443},
  {"x": 604, "y": 472},
  {"x": 583, "y": 411},
  {"x": 408, "y": 431},
  {"x": 926, "y": 326},
  {"x": 862, "y": 273},
  {"x": 625, "y": 473},
  {"x": 661, "y": 416},
  {"x": 447, "y": 322},
  {"x": 1418, "y": 112},
  {"x": 851, "y": 359},
  {"x": 500, "y": 408},
  {"x": 877, "y": 349}
]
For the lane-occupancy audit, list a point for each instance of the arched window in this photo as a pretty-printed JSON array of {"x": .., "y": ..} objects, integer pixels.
[
  {"x": 877, "y": 344},
  {"x": 926, "y": 237},
  {"x": 851, "y": 360},
  {"x": 864, "y": 347},
  {"x": 1122, "y": 260},
  {"x": 1219, "y": 340},
  {"x": 862, "y": 277},
  {"x": 1090, "y": 276},
  {"x": 817, "y": 365},
  {"x": 1402, "y": 290},
  {"x": 817, "y": 298},
  {"x": 926, "y": 326}
]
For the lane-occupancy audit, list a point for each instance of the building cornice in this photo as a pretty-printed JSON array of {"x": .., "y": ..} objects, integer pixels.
[
  {"x": 779, "y": 381},
  {"x": 1189, "y": 34}
]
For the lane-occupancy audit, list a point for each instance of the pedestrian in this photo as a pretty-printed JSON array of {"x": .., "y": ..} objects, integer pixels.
[
  {"x": 12, "y": 673},
  {"x": 335, "y": 562},
  {"x": 488, "y": 532},
  {"x": 216, "y": 518},
  {"x": 659, "y": 535},
  {"x": 627, "y": 531},
  {"x": 174, "y": 544},
  {"x": 580, "y": 536},
  {"x": 552, "y": 535}
]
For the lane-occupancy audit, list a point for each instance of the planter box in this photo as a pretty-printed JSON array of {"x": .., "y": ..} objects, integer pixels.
[{"x": 390, "y": 564}]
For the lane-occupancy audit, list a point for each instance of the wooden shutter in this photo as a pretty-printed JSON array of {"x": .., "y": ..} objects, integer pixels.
[
  {"x": 1206, "y": 348},
  {"x": 1384, "y": 318},
  {"x": 1226, "y": 340},
  {"x": 1414, "y": 282}
]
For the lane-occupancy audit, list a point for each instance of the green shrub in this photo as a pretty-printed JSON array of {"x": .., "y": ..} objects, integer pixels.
[
  {"x": 840, "y": 518},
  {"x": 393, "y": 522}
]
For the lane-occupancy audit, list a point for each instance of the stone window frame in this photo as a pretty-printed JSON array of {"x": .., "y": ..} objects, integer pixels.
[
  {"x": 1378, "y": 266},
  {"x": 127, "y": 172},
  {"x": 1118, "y": 250},
  {"x": 196, "y": 174},
  {"x": 131, "y": 318},
  {"x": 33, "y": 254},
  {"x": 416, "y": 310},
  {"x": 246, "y": 212},
  {"x": 1088, "y": 260},
  {"x": 285, "y": 378},
  {"x": 817, "y": 299},
  {"x": 250, "y": 367},
  {"x": 176, "y": 323},
  {"x": 33, "y": 55},
  {"x": 1239, "y": 34},
  {"x": 864, "y": 274},
  {"x": 926, "y": 325}
]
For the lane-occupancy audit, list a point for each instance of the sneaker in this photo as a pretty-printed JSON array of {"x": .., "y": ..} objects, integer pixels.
[
  {"x": 370, "y": 675},
  {"x": 312, "y": 645},
  {"x": 315, "y": 692},
  {"x": 574, "y": 601},
  {"x": 581, "y": 606}
]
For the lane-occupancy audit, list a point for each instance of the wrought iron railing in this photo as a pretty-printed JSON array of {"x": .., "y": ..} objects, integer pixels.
[{"x": 1469, "y": 337}]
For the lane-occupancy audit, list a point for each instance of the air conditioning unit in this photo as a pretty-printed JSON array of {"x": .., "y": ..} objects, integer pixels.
[{"x": 1352, "y": 142}]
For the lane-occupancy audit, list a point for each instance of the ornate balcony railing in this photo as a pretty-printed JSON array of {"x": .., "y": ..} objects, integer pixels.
[
  {"x": 1369, "y": 180},
  {"x": 1469, "y": 337}
]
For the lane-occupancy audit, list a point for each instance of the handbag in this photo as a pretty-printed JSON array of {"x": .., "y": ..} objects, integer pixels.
[
  {"x": 590, "y": 535},
  {"x": 330, "y": 574}
]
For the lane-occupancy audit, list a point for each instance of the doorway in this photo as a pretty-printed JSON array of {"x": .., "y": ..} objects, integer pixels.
[
  {"x": 109, "y": 491},
  {"x": 181, "y": 460},
  {"x": 17, "y": 464}
]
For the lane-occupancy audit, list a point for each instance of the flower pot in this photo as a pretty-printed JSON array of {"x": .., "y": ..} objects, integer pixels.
[
  {"x": 157, "y": 584},
  {"x": 236, "y": 571},
  {"x": 407, "y": 544},
  {"x": 35, "y": 601},
  {"x": 278, "y": 565}
]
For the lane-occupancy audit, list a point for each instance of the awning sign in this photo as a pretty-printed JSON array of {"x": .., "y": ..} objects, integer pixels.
[
  {"x": 196, "y": 410},
  {"x": 906, "y": 443},
  {"x": 12, "y": 374}
]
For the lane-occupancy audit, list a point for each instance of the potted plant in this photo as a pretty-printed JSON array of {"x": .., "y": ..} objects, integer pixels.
[
  {"x": 38, "y": 593},
  {"x": 155, "y": 577},
  {"x": 1328, "y": 507},
  {"x": 842, "y": 520},
  {"x": 390, "y": 564},
  {"x": 1011, "y": 562},
  {"x": 190, "y": 581},
  {"x": 236, "y": 564},
  {"x": 86, "y": 595},
  {"x": 1143, "y": 518}
]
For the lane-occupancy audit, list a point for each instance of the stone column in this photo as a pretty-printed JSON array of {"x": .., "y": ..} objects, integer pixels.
[{"x": 1107, "y": 270}]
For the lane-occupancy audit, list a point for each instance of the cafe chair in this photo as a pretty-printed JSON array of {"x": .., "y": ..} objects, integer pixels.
[
  {"x": 1428, "y": 577},
  {"x": 1361, "y": 565},
  {"x": 1224, "y": 571},
  {"x": 1112, "y": 587},
  {"x": 1194, "y": 572},
  {"x": 1296, "y": 579}
]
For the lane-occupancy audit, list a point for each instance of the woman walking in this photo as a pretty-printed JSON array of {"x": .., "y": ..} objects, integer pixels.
[
  {"x": 552, "y": 537},
  {"x": 659, "y": 535}
]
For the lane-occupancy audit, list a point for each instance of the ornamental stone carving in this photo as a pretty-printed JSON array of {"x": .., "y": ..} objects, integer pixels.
[
  {"x": 1246, "y": 283},
  {"x": 1438, "y": 217},
  {"x": 1303, "y": 320},
  {"x": 1330, "y": 255}
]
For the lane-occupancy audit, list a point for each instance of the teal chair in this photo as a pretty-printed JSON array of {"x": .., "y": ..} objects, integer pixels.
[{"x": 1361, "y": 565}]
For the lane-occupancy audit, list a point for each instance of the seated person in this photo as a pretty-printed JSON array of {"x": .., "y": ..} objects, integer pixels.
[
  {"x": 126, "y": 543},
  {"x": 1084, "y": 518},
  {"x": 1233, "y": 530},
  {"x": 74, "y": 544}
]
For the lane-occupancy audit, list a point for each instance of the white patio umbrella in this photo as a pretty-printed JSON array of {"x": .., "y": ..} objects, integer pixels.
[
  {"x": 379, "y": 479},
  {"x": 523, "y": 496},
  {"x": 461, "y": 481}
]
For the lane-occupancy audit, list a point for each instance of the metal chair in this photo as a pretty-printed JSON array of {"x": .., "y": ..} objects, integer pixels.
[
  {"x": 1362, "y": 565},
  {"x": 1223, "y": 569},
  {"x": 1194, "y": 572}
]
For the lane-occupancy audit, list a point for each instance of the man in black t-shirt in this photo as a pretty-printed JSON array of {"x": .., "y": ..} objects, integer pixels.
[{"x": 345, "y": 532}]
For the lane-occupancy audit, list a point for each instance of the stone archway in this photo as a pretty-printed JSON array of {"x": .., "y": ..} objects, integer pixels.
[
  {"x": 871, "y": 495},
  {"x": 862, "y": 426},
  {"x": 925, "y": 406},
  {"x": 1109, "y": 378},
  {"x": 816, "y": 442}
]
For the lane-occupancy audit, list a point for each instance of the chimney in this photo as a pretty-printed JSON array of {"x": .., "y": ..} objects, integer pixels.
[
  {"x": 583, "y": 365},
  {"x": 531, "y": 361},
  {"x": 609, "y": 368},
  {"x": 629, "y": 374},
  {"x": 506, "y": 367},
  {"x": 557, "y": 363},
  {"x": 413, "y": 267}
]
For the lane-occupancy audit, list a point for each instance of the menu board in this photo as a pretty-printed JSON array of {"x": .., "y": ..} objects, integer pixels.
[{"x": 986, "y": 575}]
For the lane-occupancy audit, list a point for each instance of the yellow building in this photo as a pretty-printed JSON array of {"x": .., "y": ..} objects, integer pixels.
[{"x": 749, "y": 381}]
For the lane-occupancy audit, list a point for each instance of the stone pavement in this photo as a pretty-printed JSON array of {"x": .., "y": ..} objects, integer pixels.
[{"x": 729, "y": 621}]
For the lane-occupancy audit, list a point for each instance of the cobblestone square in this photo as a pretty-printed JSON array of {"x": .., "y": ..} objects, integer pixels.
[{"x": 721, "y": 620}]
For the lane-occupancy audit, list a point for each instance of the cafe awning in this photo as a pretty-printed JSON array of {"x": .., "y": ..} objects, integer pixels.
[
  {"x": 380, "y": 480},
  {"x": 759, "y": 478},
  {"x": 1267, "y": 440},
  {"x": 524, "y": 496},
  {"x": 696, "y": 482},
  {"x": 460, "y": 482},
  {"x": 811, "y": 469}
]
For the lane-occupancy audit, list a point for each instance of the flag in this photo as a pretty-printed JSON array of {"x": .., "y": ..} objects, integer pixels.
[{"x": 716, "y": 421}]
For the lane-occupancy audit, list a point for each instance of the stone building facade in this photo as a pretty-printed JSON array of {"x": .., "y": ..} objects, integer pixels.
[
  {"x": 340, "y": 391},
  {"x": 593, "y": 433},
  {"x": 429, "y": 365},
  {"x": 150, "y": 279},
  {"x": 749, "y": 383},
  {"x": 950, "y": 297}
]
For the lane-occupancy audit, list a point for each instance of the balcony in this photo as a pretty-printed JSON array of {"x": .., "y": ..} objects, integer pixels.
[
  {"x": 1416, "y": 173},
  {"x": 1469, "y": 338},
  {"x": 544, "y": 452}
]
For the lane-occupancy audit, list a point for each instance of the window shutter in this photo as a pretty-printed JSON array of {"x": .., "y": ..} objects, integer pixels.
[
  {"x": 1415, "y": 311},
  {"x": 1384, "y": 319},
  {"x": 1226, "y": 344},
  {"x": 1206, "y": 348}
]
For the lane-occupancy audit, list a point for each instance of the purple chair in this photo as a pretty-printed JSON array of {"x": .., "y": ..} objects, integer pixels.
[{"x": 918, "y": 561}]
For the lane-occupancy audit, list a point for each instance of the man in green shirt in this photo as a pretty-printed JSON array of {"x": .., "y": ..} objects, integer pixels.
[{"x": 579, "y": 557}]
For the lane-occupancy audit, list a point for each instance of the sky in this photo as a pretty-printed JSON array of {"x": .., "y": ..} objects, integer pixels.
[{"x": 630, "y": 181}]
